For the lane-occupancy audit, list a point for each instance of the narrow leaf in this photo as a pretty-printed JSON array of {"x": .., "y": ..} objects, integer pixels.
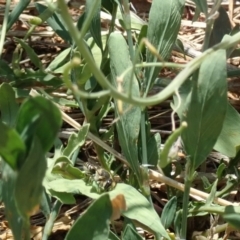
[
  {"x": 31, "y": 53},
  {"x": 221, "y": 27},
  {"x": 56, "y": 23},
  {"x": 169, "y": 212},
  {"x": 59, "y": 60},
  {"x": 12, "y": 148},
  {"x": 15, "y": 220},
  {"x": 128, "y": 125},
  {"x": 8, "y": 105},
  {"x": 164, "y": 23},
  {"x": 29, "y": 189},
  {"x": 18, "y": 9},
  {"x": 76, "y": 140},
  {"x": 95, "y": 26},
  {"x": 130, "y": 233}
]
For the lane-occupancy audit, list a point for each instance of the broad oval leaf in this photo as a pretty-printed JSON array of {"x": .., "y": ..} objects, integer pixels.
[
  {"x": 206, "y": 108},
  {"x": 138, "y": 207}
]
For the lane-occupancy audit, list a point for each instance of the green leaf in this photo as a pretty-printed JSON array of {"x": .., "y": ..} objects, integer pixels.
[
  {"x": 229, "y": 138},
  {"x": 233, "y": 219},
  {"x": 140, "y": 210},
  {"x": 59, "y": 60},
  {"x": 95, "y": 26},
  {"x": 12, "y": 148},
  {"x": 65, "y": 198},
  {"x": 138, "y": 207},
  {"x": 169, "y": 152},
  {"x": 30, "y": 52},
  {"x": 164, "y": 23},
  {"x": 8, "y": 105},
  {"x": 75, "y": 186},
  {"x": 95, "y": 50},
  {"x": 130, "y": 233},
  {"x": 56, "y": 23},
  {"x": 136, "y": 22},
  {"x": 29, "y": 189},
  {"x": 48, "y": 123},
  {"x": 153, "y": 149},
  {"x": 76, "y": 140},
  {"x": 64, "y": 167},
  {"x": 128, "y": 124},
  {"x": 169, "y": 212},
  {"x": 202, "y": 6},
  {"x": 221, "y": 27},
  {"x": 15, "y": 13},
  {"x": 220, "y": 170},
  {"x": 14, "y": 219},
  {"x": 6, "y": 73},
  {"x": 97, "y": 216},
  {"x": 231, "y": 215},
  {"x": 208, "y": 99},
  {"x": 112, "y": 236}
]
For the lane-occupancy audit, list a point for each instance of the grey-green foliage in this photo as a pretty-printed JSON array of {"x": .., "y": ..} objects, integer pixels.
[
  {"x": 164, "y": 23},
  {"x": 128, "y": 116},
  {"x": 205, "y": 108}
]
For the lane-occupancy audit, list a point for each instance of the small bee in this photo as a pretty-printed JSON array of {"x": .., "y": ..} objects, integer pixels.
[{"x": 100, "y": 179}]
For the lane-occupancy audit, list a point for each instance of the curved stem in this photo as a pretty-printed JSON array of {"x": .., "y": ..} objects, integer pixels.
[{"x": 153, "y": 100}]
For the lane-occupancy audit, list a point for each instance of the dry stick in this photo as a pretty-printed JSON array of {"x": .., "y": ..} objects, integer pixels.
[
  {"x": 152, "y": 174},
  {"x": 193, "y": 192}
]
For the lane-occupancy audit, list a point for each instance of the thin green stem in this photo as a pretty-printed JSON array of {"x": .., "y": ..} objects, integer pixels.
[
  {"x": 153, "y": 100},
  {"x": 127, "y": 22},
  {"x": 210, "y": 21},
  {"x": 4, "y": 25},
  {"x": 208, "y": 32},
  {"x": 50, "y": 222},
  {"x": 188, "y": 182},
  {"x": 87, "y": 21}
]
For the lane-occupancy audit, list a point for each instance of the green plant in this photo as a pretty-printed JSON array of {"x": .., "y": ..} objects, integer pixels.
[{"x": 107, "y": 73}]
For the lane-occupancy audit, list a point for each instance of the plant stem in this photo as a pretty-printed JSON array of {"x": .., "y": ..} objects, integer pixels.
[
  {"x": 127, "y": 21},
  {"x": 153, "y": 100},
  {"x": 185, "y": 208},
  {"x": 210, "y": 21},
  {"x": 50, "y": 222},
  {"x": 4, "y": 25}
]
